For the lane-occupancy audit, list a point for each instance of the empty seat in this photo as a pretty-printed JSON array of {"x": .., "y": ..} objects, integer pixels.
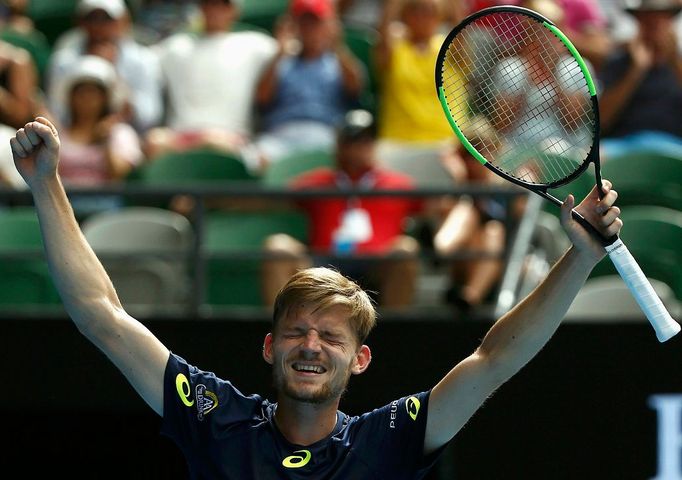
[
  {"x": 233, "y": 244},
  {"x": 283, "y": 171},
  {"x": 146, "y": 252},
  {"x": 653, "y": 235},
  {"x": 608, "y": 298},
  {"x": 24, "y": 276},
  {"x": 199, "y": 165},
  {"x": 646, "y": 178}
]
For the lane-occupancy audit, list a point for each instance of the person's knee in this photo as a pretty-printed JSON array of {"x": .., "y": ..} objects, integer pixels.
[
  {"x": 405, "y": 246},
  {"x": 284, "y": 244},
  {"x": 494, "y": 236}
]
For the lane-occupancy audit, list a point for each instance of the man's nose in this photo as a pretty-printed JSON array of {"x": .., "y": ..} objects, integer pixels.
[{"x": 311, "y": 341}]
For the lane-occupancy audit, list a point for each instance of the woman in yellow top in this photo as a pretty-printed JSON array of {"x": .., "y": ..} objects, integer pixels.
[
  {"x": 412, "y": 125},
  {"x": 406, "y": 57}
]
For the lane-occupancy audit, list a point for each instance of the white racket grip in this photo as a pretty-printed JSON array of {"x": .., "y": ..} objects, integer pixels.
[{"x": 640, "y": 287}]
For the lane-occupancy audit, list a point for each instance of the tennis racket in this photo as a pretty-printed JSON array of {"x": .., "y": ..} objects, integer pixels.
[{"x": 521, "y": 100}]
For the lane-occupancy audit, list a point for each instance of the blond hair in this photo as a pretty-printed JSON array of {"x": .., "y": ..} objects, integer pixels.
[{"x": 325, "y": 288}]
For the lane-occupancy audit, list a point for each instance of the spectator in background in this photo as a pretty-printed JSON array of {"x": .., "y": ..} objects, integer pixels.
[
  {"x": 351, "y": 226},
  {"x": 412, "y": 127},
  {"x": 346, "y": 227},
  {"x": 641, "y": 102},
  {"x": 306, "y": 90},
  {"x": 369, "y": 12},
  {"x": 541, "y": 69},
  {"x": 18, "y": 28},
  {"x": 97, "y": 147},
  {"x": 474, "y": 224},
  {"x": 103, "y": 30},
  {"x": 7, "y": 178},
  {"x": 211, "y": 79},
  {"x": 585, "y": 25},
  {"x": 20, "y": 99},
  {"x": 19, "y": 89},
  {"x": 14, "y": 16},
  {"x": 158, "y": 19},
  {"x": 360, "y": 12}
]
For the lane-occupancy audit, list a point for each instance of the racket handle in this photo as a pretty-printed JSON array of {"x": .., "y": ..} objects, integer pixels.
[{"x": 644, "y": 293}]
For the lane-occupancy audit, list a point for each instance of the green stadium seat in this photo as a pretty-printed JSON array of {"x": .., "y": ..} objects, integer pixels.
[
  {"x": 248, "y": 27},
  {"x": 202, "y": 165},
  {"x": 653, "y": 235},
  {"x": 263, "y": 13},
  {"x": 646, "y": 178},
  {"x": 282, "y": 172},
  {"x": 236, "y": 280},
  {"x": 579, "y": 187},
  {"x": 52, "y": 17},
  {"x": 24, "y": 279}
]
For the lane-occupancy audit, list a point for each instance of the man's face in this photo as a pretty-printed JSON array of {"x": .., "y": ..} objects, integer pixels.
[
  {"x": 654, "y": 25},
  {"x": 100, "y": 27},
  {"x": 313, "y": 354},
  {"x": 422, "y": 18},
  {"x": 355, "y": 157},
  {"x": 315, "y": 32},
  {"x": 218, "y": 14}
]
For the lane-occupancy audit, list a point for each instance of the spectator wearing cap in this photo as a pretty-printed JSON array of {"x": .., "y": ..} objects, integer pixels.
[
  {"x": 346, "y": 228},
  {"x": 641, "y": 102},
  {"x": 96, "y": 146},
  {"x": 103, "y": 30},
  {"x": 304, "y": 93},
  {"x": 351, "y": 226},
  {"x": 210, "y": 79},
  {"x": 19, "y": 102}
]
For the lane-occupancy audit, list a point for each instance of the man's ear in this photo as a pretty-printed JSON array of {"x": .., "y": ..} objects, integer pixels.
[
  {"x": 362, "y": 360},
  {"x": 267, "y": 349}
]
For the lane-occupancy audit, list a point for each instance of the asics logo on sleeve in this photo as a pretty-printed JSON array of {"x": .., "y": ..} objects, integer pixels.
[
  {"x": 297, "y": 461},
  {"x": 412, "y": 405},
  {"x": 183, "y": 389}
]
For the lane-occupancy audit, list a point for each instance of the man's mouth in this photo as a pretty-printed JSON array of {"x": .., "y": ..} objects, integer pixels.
[{"x": 308, "y": 368}]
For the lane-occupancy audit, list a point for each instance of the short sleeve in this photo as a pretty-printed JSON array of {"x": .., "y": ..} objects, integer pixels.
[
  {"x": 391, "y": 438},
  {"x": 198, "y": 406}
]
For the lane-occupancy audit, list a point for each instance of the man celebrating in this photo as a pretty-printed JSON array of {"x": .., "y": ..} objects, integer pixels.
[{"x": 321, "y": 320}]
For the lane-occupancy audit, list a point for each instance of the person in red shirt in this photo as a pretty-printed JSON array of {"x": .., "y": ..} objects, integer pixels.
[{"x": 346, "y": 229}]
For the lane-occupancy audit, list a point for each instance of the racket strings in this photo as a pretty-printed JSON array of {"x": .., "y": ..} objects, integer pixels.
[{"x": 514, "y": 72}]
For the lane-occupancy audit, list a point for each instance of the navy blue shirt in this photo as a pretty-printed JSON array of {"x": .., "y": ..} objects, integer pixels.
[{"x": 224, "y": 434}]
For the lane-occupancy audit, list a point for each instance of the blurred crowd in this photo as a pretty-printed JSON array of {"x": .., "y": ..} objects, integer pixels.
[{"x": 131, "y": 82}]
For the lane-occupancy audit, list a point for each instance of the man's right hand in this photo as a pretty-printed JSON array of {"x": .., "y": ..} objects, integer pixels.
[{"x": 35, "y": 149}]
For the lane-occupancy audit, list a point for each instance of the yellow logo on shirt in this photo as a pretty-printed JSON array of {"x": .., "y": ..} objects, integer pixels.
[
  {"x": 184, "y": 391},
  {"x": 412, "y": 405},
  {"x": 297, "y": 461}
]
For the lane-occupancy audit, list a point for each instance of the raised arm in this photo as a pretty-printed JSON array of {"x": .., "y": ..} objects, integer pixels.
[
  {"x": 84, "y": 286},
  {"x": 520, "y": 334}
]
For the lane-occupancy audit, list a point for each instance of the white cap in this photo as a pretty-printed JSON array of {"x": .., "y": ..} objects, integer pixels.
[
  {"x": 90, "y": 68},
  {"x": 113, "y": 8}
]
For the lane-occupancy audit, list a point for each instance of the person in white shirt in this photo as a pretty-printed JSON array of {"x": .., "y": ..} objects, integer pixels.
[{"x": 210, "y": 79}]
